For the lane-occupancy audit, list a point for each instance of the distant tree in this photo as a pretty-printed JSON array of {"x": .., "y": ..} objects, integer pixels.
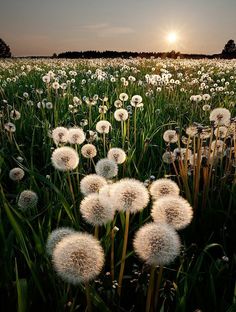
[
  {"x": 229, "y": 50},
  {"x": 54, "y": 55},
  {"x": 4, "y": 49}
]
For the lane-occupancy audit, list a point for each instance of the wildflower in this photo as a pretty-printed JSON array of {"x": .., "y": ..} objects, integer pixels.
[
  {"x": 164, "y": 187},
  {"x": 123, "y": 97},
  {"x": 92, "y": 183},
  {"x": 157, "y": 244},
  {"x": 94, "y": 211},
  {"x": 170, "y": 136},
  {"x": 174, "y": 210},
  {"x": 27, "y": 199},
  {"x": 191, "y": 131},
  {"x": 65, "y": 158},
  {"x": 56, "y": 85},
  {"x": 60, "y": 135},
  {"x": 136, "y": 101},
  {"x": 106, "y": 168},
  {"x": 121, "y": 114},
  {"x": 118, "y": 103},
  {"x": 55, "y": 237},
  {"x": 76, "y": 136},
  {"x": 103, "y": 126},
  {"x": 168, "y": 157},
  {"x": 221, "y": 132},
  {"x": 10, "y": 127},
  {"x": 129, "y": 195},
  {"x": 15, "y": 115},
  {"x": 16, "y": 174},
  {"x": 220, "y": 116},
  {"x": 89, "y": 151},
  {"x": 117, "y": 155},
  {"x": 78, "y": 258}
]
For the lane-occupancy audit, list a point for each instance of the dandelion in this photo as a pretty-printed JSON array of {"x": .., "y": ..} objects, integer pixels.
[
  {"x": 10, "y": 127},
  {"x": 191, "y": 131},
  {"x": 221, "y": 132},
  {"x": 92, "y": 183},
  {"x": 174, "y": 210},
  {"x": 16, "y": 174},
  {"x": 220, "y": 116},
  {"x": 217, "y": 145},
  {"x": 121, "y": 114},
  {"x": 27, "y": 199},
  {"x": 164, "y": 187},
  {"x": 89, "y": 151},
  {"x": 103, "y": 126},
  {"x": 117, "y": 155},
  {"x": 60, "y": 135},
  {"x": 168, "y": 157},
  {"x": 170, "y": 136},
  {"x": 65, "y": 158},
  {"x": 76, "y": 136},
  {"x": 78, "y": 258},
  {"x": 123, "y": 97},
  {"x": 55, "y": 237},
  {"x": 129, "y": 195},
  {"x": 15, "y": 115},
  {"x": 118, "y": 103},
  {"x": 55, "y": 85},
  {"x": 206, "y": 107},
  {"x": 106, "y": 168},
  {"x": 136, "y": 101},
  {"x": 157, "y": 244},
  {"x": 94, "y": 212}
]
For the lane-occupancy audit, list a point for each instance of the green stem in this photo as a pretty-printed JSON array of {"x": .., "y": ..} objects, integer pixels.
[
  {"x": 150, "y": 289},
  {"x": 122, "y": 266}
]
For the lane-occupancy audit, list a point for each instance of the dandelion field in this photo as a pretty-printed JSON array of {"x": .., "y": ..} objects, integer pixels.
[{"x": 117, "y": 183}]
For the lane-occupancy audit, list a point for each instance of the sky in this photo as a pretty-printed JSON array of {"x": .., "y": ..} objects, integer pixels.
[{"x": 44, "y": 27}]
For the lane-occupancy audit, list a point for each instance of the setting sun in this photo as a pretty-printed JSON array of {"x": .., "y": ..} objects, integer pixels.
[{"x": 172, "y": 37}]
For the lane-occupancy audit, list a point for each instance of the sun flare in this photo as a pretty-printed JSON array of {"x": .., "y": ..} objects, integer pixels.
[{"x": 172, "y": 37}]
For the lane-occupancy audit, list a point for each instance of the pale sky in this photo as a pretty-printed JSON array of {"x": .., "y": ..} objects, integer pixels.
[{"x": 42, "y": 27}]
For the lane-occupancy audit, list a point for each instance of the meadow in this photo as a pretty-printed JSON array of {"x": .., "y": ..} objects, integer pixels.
[{"x": 117, "y": 183}]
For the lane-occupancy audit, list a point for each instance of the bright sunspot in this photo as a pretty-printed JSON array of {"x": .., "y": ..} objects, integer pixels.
[{"x": 172, "y": 37}]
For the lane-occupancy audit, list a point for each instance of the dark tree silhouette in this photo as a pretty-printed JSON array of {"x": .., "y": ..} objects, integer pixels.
[
  {"x": 4, "y": 49},
  {"x": 229, "y": 50}
]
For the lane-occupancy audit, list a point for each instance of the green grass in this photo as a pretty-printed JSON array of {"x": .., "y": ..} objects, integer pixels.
[{"x": 202, "y": 277}]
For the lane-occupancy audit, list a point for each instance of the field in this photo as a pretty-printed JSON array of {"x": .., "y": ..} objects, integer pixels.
[{"x": 171, "y": 119}]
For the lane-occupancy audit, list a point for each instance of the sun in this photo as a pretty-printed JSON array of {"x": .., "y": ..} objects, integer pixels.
[{"x": 172, "y": 37}]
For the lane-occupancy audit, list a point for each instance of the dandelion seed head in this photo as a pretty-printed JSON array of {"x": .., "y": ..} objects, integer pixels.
[
  {"x": 117, "y": 155},
  {"x": 89, "y": 151},
  {"x": 76, "y": 136},
  {"x": 121, "y": 114},
  {"x": 78, "y": 258},
  {"x": 106, "y": 168},
  {"x": 129, "y": 195},
  {"x": 15, "y": 115},
  {"x": 220, "y": 116},
  {"x": 27, "y": 200},
  {"x": 168, "y": 157},
  {"x": 157, "y": 244},
  {"x": 65, "y": 158},
  {"x": 92, "y": 183},
  {"x": 103, "y": 126},
  {"x": 170, "y": 136},
  {"x": 174, "y": 210},
  {"x": 60, "y": 135},
  {"x": 163, "y": 187},
  {"x": 94, "y": 212},
  {"x": 16, "y": 174},
  {"x": 56, "y": 236}
]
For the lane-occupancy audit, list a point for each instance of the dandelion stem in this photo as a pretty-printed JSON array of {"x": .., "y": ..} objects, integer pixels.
[
  {"x": 96, "y": 231},
  {"x": 158, "y": 287},
  {"x": 89, "y": 304},
  {"x": 150, "y": 289},
  {"x": 112, "y": 254},
  {"x": 122, "y": 266}
]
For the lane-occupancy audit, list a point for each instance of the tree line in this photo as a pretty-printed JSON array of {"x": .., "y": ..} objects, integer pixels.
[{"x": 229, "y": 52}]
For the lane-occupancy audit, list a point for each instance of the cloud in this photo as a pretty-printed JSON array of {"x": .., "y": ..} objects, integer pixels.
[{"x": 106, "y": 30}]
